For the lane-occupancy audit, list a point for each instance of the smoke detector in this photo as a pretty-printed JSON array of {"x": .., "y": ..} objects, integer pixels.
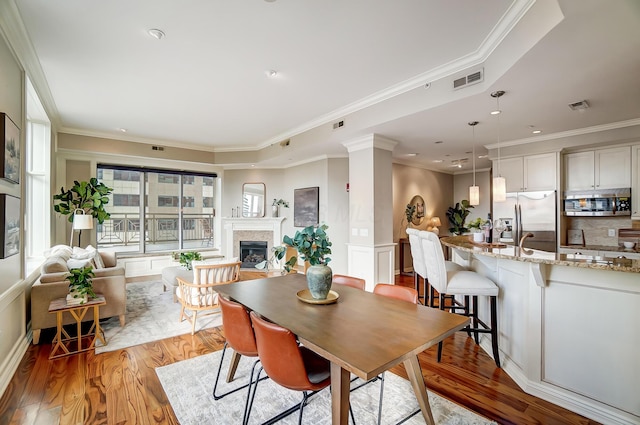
[{"x": 579, "y": 106}]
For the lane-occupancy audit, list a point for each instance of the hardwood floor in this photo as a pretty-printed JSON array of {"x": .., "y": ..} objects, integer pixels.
[{"x": 121, "y": 387}]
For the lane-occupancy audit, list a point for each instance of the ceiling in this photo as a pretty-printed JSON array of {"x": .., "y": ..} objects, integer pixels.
[{"x": 378, "y": 66}]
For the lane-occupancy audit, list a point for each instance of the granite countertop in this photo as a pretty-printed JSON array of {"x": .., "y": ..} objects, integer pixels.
[
  {"x": 608, "y": 248},
  {"x": 510, "y": 252}
]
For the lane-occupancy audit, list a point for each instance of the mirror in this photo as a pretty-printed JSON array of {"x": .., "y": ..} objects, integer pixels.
[
  {"x": 253, "y": 201},
  {"x": 418, "y": 202}
]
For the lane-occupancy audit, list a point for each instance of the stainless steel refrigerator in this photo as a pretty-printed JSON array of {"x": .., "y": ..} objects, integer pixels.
[{"x": 529, "y": 212}]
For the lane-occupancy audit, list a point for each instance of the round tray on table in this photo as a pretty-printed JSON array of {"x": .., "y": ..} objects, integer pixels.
[{"x": 305, "y": 296}]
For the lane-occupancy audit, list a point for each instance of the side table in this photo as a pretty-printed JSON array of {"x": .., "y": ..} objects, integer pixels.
[
  {"x": 62, "y": 342},
  {"x": 402, "y": 242}
]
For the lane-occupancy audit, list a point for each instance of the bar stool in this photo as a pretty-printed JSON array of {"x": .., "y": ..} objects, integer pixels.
[{"x": 462, "y": 283}]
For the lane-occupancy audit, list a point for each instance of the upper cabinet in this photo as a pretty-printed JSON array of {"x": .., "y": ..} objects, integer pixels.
[
  {"x": 635, "y": 183},
  {"x": 529, "y": 173},
  {"x": 598, "y": 169}
]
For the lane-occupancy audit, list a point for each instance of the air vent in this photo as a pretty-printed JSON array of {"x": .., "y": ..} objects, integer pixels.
[
  {"x": 579, "y": 106},
  {"x": 473, "y": 78},
  {"x": 338, "y": 124},
  {"x": 157, "y": 148}
]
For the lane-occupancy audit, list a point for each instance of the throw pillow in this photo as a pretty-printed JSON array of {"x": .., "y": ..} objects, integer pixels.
[
  {"x": 98, "y": 260},
  {"x": 74, "y": 263},
  {"x": 63, "y": 251},
  {"x": 83, "y": 254},
  {"x": 54, "y": 265}
]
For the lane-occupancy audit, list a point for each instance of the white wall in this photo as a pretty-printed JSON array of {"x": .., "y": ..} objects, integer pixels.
[{"x": 461, "y": 183}]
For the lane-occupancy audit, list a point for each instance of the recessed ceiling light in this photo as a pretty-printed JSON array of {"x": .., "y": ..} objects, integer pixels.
[
  {"x": 124, "y": 130},
  {"x": 482, "y": 156},
  {"x": 537, "y": 131},
  {"x": 496, "y": 112},
  {"x": 437, "y": 161},
  {"x": 253, "y": 165},
  {"x": 156, "y": 33},
  {"x": 412, "y": 154},
  {"x": 271, "y": 73}
]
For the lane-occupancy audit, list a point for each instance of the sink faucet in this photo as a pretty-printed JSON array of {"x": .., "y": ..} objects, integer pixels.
[{"x": 525, "y": 236}]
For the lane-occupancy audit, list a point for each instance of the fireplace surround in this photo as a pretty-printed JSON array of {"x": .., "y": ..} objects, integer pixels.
[{"x": 237, "y": 229}]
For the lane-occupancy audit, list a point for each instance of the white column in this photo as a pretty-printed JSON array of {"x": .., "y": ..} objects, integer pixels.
[{"x": 371, "y": 248}]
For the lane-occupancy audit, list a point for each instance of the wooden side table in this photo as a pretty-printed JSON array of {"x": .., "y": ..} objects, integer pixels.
[{"x": 62, "y": 342}]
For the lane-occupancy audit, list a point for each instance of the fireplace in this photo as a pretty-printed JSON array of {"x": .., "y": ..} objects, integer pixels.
[{"x": 252, "y": 253}]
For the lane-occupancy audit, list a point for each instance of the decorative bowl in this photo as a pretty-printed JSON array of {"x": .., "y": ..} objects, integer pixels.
[{"x": 629, "y": 245}]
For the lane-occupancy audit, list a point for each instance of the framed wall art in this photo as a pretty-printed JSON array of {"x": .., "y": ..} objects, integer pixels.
[
  {"x": 10, "y": 153},
  {"x": 10, "y": 215},
  {"x": 306, "y": 206}
]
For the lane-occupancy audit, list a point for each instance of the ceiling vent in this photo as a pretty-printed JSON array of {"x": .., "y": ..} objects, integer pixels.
[
  {"x": 473, "y": 78},
  {"x": 338, "y": 124},
  {"x": 157, "y": 148},
  {"x": 579, "y": 106}
]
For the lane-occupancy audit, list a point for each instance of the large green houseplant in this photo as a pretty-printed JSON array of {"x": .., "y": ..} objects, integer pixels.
[
  {"x": 313, "y": 245},
  {"x": 90, "y": 197},
  {"x": 457, "y": 216}
]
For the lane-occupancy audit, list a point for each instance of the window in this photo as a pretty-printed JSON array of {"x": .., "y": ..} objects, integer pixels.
[
  {"x": 121, "y": 200},
  {"x": 168, "y": 178},
  {"x": 167, "y": 201},
  {"x": 157, "y": 210}
]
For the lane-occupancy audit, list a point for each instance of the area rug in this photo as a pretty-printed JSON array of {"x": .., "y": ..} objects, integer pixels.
[
  {"x": 189, "y": 384},
  {"x": 151, "y": 315}
]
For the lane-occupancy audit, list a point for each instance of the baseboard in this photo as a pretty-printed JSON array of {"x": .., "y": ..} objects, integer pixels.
[{"x": 13, "y": 362}]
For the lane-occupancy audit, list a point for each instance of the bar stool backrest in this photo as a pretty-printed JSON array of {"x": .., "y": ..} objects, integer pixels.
[
  {"x": 434, "y": 260},
  {"x": 419, "y": 266}
]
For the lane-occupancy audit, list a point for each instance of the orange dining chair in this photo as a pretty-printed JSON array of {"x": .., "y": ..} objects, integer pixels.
[
  {"x": 288, "y": 364},
  {"x": 239, "y": 336},
  {"x": 401, "y": 293},
  {"x": 354, "y": 282}
]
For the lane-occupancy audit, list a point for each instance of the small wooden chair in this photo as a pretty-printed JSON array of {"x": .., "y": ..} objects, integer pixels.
[{"x": 200, "y": 295}]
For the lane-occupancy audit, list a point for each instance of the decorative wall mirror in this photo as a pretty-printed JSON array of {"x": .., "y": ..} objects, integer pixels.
[
  {"x": 253, "y": 199},
  {"x": 418, "y": 216}
]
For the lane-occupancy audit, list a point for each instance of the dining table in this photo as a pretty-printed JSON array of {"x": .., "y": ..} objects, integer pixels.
[{"x": 360, "y": 332}]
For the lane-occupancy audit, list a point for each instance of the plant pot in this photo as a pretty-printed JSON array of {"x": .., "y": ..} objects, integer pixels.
[
  {"x": 319, "y": 280},
  {"x": 73, "y": 298},
  {"x": 478, "y": 237}
]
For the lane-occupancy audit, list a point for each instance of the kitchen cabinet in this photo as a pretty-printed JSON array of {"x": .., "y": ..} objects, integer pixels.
[
  {"x": 598, "y": 169},
  {"x": 529, "y": 173},
  {"x": 635, "y": 183}
]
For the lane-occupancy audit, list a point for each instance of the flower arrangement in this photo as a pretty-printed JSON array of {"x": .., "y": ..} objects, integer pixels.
[
  {"x": 278, "y": 202},
  {"x": 476, "y": 225}
]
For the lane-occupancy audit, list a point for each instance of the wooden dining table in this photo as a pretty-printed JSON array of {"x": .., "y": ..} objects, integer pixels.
[{"x": 361, "y": 333}]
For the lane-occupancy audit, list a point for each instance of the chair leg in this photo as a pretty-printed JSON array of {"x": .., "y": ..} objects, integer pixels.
[
  {"x": 441, "y": 302},
  {"x": 233, "y": 366},
  {"x": 427, "y": 289},
  {"x": 379, "y": 402},
  {"x": 494, "y": 330},
  {"x": 474, "y": 316},
  {"x": 466, "y": 312},
  {"x": 194, "y": 317},
  {"x": 215, "y": 385}
]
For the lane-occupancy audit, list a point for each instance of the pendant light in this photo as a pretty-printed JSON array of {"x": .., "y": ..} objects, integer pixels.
[
  {"x": 474, "y": 191},
  {"x": 499, "y": 182}
]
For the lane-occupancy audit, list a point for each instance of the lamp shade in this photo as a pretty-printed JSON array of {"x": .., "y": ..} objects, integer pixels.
[
  {"x": 82, "y": 221},
  {"x": 499, "y": 189},
  {"x": 474, "y": 195}
]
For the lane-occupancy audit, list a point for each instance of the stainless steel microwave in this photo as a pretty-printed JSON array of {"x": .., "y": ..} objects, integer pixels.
[{"x": 606, "y": 202}]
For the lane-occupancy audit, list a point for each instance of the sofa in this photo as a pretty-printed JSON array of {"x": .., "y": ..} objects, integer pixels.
[{"x": 109, "y": 281}]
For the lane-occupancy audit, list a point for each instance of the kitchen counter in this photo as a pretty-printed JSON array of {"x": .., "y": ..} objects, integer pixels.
[
  {"x": 567, "y": 325},
  {"x": 613, "y": 250},
  {"x": 463, "y": 243}
]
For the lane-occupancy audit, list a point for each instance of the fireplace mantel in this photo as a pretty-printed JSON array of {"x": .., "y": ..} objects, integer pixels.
[{"x": 241, "y": 224}]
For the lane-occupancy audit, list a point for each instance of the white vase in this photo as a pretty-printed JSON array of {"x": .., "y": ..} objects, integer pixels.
[
  {"x": 478, "y": 237},
  {"x": 275, "y": 211}
]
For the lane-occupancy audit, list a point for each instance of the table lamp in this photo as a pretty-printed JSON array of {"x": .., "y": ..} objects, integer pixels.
[
  {"x": 435, "y": 223},
  {"x": 81, "y": 221}
]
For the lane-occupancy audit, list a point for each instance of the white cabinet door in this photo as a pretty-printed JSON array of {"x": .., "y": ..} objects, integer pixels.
[
  {"x": 635, "y": 183},
  {"x": 540, "y": 172},
  {"x": 613, "y": 168},
  {"x": 511, "y": 170},
  {"x": 579, "y": 170}
]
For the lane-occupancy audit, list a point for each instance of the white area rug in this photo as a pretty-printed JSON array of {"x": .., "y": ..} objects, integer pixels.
[
  {"x": 189, "y": 384},
  {"x": 151, "y": 315}
]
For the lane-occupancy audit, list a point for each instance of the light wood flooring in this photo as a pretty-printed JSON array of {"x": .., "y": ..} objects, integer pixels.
[{"x": 121, "y": 387}]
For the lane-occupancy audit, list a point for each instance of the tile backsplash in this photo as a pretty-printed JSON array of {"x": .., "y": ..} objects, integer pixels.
[{"x": 596, "y": 229}]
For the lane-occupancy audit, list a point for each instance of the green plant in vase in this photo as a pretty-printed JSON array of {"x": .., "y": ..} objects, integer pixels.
[
  {"x": 457, "y": 216},
  {"x": 187, "y": 257},
  {"x": 313, "y": 245},
  {"x": 80, "y": 285}
]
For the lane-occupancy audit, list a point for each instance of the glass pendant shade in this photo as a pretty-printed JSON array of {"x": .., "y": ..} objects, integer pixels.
[
  {"x": 474, "y": 195},
  {"x": 499, "y": 189}
]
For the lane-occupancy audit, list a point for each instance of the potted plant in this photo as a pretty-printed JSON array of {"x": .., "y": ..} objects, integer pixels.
[
  {"x": 187, "y": 257},
  {"x": 90, "y": 197},
  {"x": 313, "y": 245},
  {"x": 476, "y": 228},
  {"x": 275, "y": 206},
  {"x": 409, "y": 212},
  {"x": 80, "y": 285},
  {"x": 457, "y": 216}
]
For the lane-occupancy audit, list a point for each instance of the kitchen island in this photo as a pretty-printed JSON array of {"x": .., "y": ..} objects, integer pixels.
[{"x": 569, "y": 325}]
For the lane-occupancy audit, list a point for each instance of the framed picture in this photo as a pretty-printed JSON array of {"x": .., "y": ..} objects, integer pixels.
[
  {"x": 10, "y": 161},
  {"x": 306, "y": 205},
  {"x": 10, "y": 214}
]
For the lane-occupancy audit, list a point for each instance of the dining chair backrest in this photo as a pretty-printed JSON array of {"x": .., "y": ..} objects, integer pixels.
[
  {"x": 419, "y": 265},
  {"x": 280, "y": 355},
  {"x": 434, "y": 260},
  {"x": 205, "y": 273},
  {"x": 402, "y": 293},
  {"x": 354, "y": 282},
  {"x": 237, "y": 327}
]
